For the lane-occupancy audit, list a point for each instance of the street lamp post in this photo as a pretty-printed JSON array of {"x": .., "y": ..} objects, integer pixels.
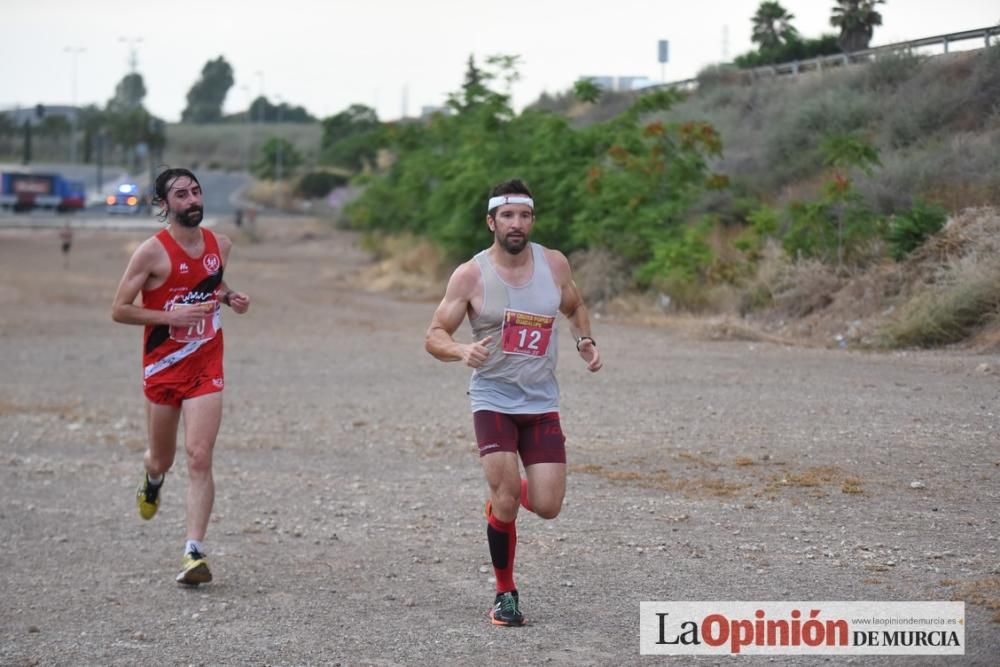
[
  {"x": 74, "y": 51},
  {"x": 246, "y": 129},
  {"x": 133, "y": 59},
  {"x": 277, "y": 155}
]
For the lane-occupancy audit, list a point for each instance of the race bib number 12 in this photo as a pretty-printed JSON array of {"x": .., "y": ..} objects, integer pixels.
[{"x": 526, "y": 333}]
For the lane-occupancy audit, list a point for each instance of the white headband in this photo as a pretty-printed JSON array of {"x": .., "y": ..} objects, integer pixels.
[{"x": 510, "y": 199}]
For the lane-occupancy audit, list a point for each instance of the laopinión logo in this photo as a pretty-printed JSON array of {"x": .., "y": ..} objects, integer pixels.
[{"x": 802, "y": 628}]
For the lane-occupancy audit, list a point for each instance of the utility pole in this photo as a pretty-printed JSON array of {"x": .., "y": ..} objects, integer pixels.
[
  {"x": 246, "y": 129},
  {"x": 27, "y": 142},
  {"x": 277, "y": 154},
  {"x": 74, "y": 51},
  {"x": 133, "y": 59}
]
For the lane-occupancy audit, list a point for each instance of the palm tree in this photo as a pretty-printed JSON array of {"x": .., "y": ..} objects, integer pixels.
[
  {"x": 772, "y": 26},
  {"x": 857, "y": 20}
]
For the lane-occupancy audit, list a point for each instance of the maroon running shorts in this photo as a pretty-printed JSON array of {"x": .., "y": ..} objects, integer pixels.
[{"x": 538, "y": 438}]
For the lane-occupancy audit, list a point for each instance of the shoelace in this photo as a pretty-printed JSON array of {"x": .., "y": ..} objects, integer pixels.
[
  {"x": 196, "y": 555},
  {"x": 508, "y": 603}
]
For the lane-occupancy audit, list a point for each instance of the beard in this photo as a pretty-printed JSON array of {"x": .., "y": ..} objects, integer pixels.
[
  {"x": 191, "y": 217},
  {"x": 514, "y": 244}
]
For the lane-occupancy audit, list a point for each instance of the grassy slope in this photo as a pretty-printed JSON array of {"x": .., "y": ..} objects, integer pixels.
[{"x": 936, "y": 125}]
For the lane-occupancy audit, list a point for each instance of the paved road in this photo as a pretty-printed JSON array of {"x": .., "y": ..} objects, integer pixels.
[{"x": 222, "y": 190}]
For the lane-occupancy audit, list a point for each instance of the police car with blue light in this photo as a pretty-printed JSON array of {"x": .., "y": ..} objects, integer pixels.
[{"x": 128, "y": 199}]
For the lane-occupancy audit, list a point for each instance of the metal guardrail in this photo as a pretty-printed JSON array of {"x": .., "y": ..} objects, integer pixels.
[{"x": 841, "y": 59}]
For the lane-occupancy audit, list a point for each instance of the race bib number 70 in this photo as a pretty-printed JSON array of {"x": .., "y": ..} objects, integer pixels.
[
  {"x": 526, "y": 333},
  {"x": 203, "y": 330}
]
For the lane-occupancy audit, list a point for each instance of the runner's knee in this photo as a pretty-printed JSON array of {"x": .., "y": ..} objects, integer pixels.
[
  {"x": 199, "y": 458},
  {"x": 505, "y": 504},
  {"x": 548, "y": 509}
]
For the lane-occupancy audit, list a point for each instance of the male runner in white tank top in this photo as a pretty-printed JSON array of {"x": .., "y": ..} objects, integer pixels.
[{"x": 512, "y": 293}]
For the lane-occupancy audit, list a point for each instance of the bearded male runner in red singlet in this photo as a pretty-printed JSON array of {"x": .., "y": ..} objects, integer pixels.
[{"x": 179, "y": 274}]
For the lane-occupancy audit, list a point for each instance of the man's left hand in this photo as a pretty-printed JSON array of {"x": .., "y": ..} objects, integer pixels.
[
  {"x": 589, "y": 353},
  {"x": 239, "y": 302}
]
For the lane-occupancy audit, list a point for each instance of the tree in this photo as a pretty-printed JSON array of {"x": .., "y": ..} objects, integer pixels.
[
  {"x": 474, "y": 90},
  {"x": 204, "y": 100},
  {"x": 352, "y": 138},
  {"x": 128, "y": 94},
  {"x": 772, "y": 26},
  {"x": 586, "y": 90},
  {"x": 127, "y": 123},
  {"x": 262, "y": 111},
  {"x": 857, "y": 20},
  {"x": 91, "y": 120},
  {"x": 277, "y": 154},
  {"x": 625, "y": 185}
]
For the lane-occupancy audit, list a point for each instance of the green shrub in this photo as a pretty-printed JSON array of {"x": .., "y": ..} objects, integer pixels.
[
  {"x": 276, "y": 152},
  {"x": 764, "y": 224},
  {"x": 907, "y": 230},
  {"x": 833, "y": 231},
  {"x": 790, "y": 51},
  {"x": 317, "y": 184},
  {"x": 794, "y": 137},
  {"x": 886, "y": 73}
]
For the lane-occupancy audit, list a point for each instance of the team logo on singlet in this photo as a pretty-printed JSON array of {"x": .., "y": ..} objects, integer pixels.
[
  {"x": 184, "y": 267},
  {"x": 212, "y": 263}
]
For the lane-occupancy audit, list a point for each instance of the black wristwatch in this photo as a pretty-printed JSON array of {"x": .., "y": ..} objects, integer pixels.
[{"x": 583, "y": 338}]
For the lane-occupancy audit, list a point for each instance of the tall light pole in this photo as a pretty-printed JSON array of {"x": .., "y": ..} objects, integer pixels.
[
  {"x": 74, "y": 51},
  {"x": 133, "y": 59},
  {"x": 277, "y": 153},
  {"x": 246, "y": 129}
]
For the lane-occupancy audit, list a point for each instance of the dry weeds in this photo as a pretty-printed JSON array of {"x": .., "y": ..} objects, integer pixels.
[{"x": 982, "y": 592}]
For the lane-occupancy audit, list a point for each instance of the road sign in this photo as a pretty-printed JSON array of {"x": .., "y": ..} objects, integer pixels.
[{"x": 664, "y": 51}]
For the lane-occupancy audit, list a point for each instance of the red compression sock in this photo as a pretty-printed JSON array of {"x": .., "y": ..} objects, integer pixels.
[{"x": 502, "y": 537}]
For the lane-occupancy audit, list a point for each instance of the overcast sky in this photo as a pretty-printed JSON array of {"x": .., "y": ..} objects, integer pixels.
[{"x": 392, "y": 54}]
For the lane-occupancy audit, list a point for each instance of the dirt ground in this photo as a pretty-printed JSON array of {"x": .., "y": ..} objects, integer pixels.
[{"x": 348, "y": 522}]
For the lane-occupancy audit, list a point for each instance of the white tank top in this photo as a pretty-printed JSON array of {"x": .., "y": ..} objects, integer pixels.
[{"x": 519, "y": 375}]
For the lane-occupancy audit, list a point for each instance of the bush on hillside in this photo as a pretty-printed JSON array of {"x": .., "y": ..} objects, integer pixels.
[
  {"x": 790, "y": 51},
  {"x": 907, "y": 230},
  {"x": 626, "y": 185},
  {"x": 794, "y": 140},
  {"x": 317, "y": 184},
  {"x": 886, "y": 72}
]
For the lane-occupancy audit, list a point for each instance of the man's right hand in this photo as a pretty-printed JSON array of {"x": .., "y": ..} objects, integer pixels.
[
  {"x": 188, "y": 315},
  {"x": 475, "y": 354}
]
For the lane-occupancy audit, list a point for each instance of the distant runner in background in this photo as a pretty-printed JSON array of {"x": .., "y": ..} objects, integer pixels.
[
  {"x": 512, "y": 293},
  {"x": 66, "y": 238},
  {"x": 179, "y": 274}
]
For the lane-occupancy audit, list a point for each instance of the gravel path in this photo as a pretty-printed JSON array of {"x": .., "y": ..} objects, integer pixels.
[{"x": 348, "y": 520}]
